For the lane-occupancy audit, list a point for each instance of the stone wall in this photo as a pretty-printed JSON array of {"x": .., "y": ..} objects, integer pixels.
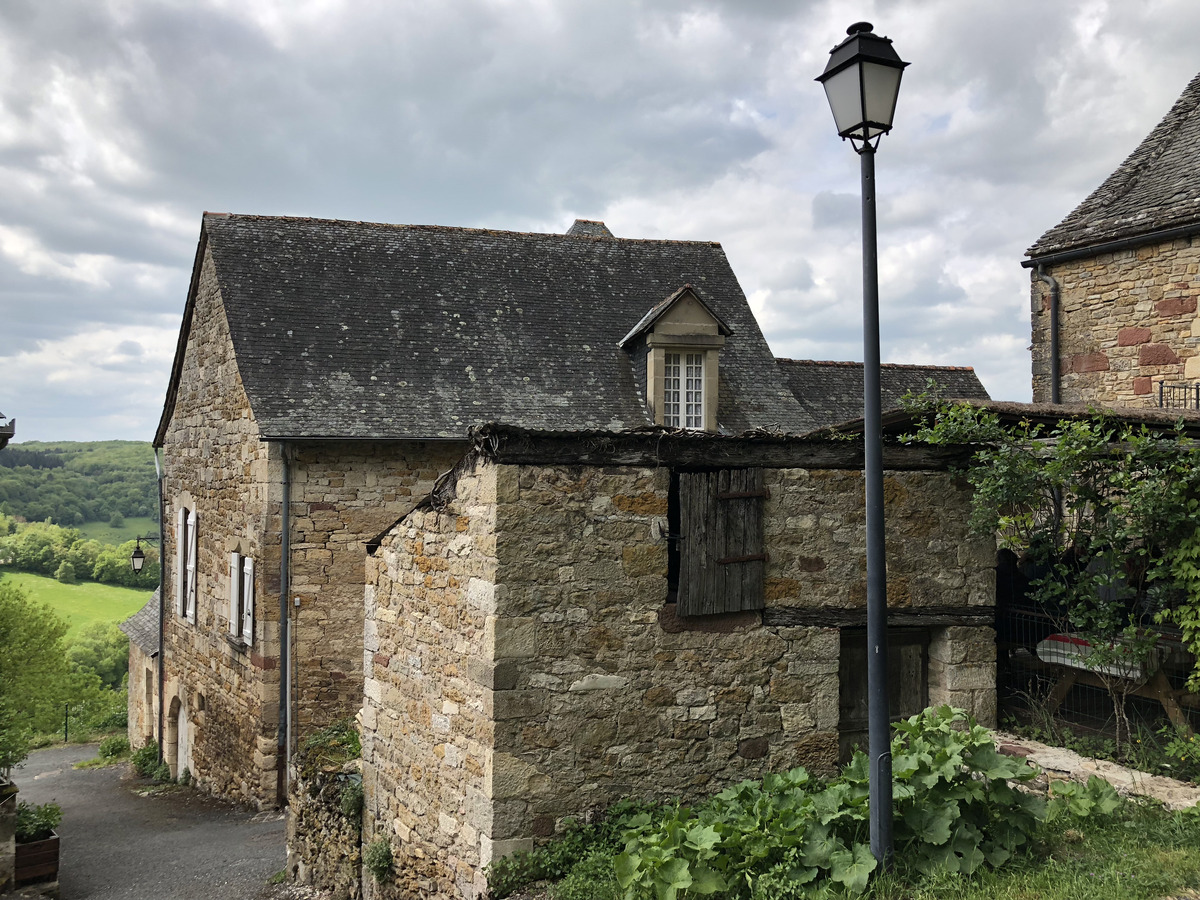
[
  {"x": 343, "y": 495},
  {"x": 143, "y": 697},
  {"x": 1126, "y": 323},
  {"x": 222, "y": 698},
  {"x": 427, "y": 708},
  {"x": 531, "y": 612},
  {"x": 324, "y": 845}
]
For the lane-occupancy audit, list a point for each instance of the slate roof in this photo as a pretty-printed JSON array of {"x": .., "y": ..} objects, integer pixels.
[
  {"x": 1156, "y": 188},
  {"x": 354, "y": 330},
  {"x": 142, "y": 626},
  {"x": 832, "y": 392}
]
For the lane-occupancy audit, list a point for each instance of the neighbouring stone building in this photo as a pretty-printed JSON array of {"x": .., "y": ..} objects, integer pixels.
[
  {"x": 1114, "y": 285},
  {"x": 529, "y": 655},
  {"x": 325, "y": 379}
]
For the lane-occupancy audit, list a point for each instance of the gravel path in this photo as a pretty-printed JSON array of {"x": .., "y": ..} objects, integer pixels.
[{"x": 118, "y": 842}]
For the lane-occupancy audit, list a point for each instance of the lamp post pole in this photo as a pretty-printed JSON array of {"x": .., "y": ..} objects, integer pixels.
[
  {"x": 862, "y": 82},
  {"x": 879, "y": 745}
]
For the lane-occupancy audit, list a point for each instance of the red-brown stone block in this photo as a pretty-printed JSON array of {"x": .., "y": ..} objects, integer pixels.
[
  {"x": 1176, "y": 306},
  {"x": 1156, "y": 355},
  {"x": 1143, "y": 384},
  {"x": 1131, "y": 336},
  {"x": 1090, "y": 362}
]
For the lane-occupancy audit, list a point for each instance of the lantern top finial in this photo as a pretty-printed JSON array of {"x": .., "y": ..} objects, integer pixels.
[{"x": 860, "y": 28}]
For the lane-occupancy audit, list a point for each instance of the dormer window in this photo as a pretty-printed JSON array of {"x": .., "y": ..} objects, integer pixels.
[
  {"x": 682, "y": 339},
  {"x": 683, "y": 390}
]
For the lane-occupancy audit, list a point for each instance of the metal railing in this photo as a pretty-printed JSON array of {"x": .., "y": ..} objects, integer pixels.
[{"x": 1178, "y": 396}]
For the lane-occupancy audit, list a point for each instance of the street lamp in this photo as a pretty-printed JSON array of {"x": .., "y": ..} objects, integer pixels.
[
  {"x": 137, "y": 558},
  {"x": 861, "y": 83}
]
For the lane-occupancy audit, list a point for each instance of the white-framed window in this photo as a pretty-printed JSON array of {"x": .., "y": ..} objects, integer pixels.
[
  {"x": 241, "y": 598},
  {"x": 186, "y": 550},
  {"x": 683, "y": 390}
]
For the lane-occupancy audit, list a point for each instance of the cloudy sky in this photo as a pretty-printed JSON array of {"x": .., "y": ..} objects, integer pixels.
[{"x": 121, "y": 121}]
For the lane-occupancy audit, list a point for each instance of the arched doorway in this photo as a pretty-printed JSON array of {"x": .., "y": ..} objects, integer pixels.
[{"x": 171, "y": 744}]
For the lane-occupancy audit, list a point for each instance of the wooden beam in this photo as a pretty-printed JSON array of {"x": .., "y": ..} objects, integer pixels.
[
  {"x": 700, "y": 451},
  {"x": 782, "y": 617}
]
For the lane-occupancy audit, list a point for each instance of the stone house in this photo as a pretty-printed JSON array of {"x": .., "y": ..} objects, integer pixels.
[
  {"x": 325, "y": 378},
  {"x": 1114, "y": 285},
  {"x": 569, "y": 619}
]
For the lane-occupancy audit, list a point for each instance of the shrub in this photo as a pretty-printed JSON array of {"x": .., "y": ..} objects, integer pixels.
[
  {"x": 351, "y": 800},
  {"x": 378, "y": 860},
  {"x": 592, "y": 878},
  {"x": 113, "y": 746},
  {"x": 162, "y": 773},
  {"x": 185, "y": 777},
  {"x": 65, "y": 573},
  {"x": 36, "y": 823},
  {"x": 145, "y": 759}
]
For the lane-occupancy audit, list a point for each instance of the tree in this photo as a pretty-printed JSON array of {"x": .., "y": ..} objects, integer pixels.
[
  {"x": 1103, "y": 513},
  {"x": 65, "y": 573},
  {"x": 101, "y": 650},
  {"x": 35, "y": 679}
]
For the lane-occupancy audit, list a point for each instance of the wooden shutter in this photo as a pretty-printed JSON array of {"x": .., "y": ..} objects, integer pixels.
[
  {"x": 193, "y": 546},
  {"x": 721, "y": 553},
  {"x": 248, "y": 601},
  {"x": 181, "y": 579},
  {"x": 235, "y": 593}
]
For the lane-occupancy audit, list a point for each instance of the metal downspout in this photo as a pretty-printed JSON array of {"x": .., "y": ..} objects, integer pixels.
[
  {"x": 1055, "y": 368},
  {"x": 162, "y": 600},
  {"x": 284, "y": 742}
]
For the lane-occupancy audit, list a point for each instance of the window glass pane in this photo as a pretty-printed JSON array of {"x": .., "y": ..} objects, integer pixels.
[
  {"x": 694, "y": 391},
  {"x": 672, "y": 376}
]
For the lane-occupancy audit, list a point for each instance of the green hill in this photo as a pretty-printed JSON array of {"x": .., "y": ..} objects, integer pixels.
[
  {"x": 80, "y": 605},
  {"x": 75, "y": 482}
]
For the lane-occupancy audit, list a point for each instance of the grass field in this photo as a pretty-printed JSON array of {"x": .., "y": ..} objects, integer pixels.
[
  {"x": 133, "y": 527},
  {"x": 80, "y": 604}
]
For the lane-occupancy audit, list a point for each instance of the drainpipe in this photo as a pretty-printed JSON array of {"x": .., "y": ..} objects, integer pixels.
[
  {"x": 283, "y": 746},
  {"x": 162, "y": 599},
  {"x": 1055, "y": 373}
]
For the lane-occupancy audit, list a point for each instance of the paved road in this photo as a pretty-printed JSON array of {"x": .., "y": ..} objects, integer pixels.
[{"x": 178, "y": 845}]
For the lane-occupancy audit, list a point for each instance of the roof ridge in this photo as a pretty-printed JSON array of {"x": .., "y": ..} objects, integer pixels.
[
  {"x": 851, "y": 362},
  {"x": 447, "y": 229}
]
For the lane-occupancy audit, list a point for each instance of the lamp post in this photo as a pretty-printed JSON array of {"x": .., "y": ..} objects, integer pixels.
[{"x": 862, "y": 81}]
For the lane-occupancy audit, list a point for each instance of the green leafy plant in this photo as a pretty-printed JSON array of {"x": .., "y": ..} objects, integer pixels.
[
  {"x": 36, "y": 823},
  {"x": 957, "y": 807},
  {"x": 557, "y": 858},
  {"x": 162, "y": 773},
  {"x": 377, "y": 858},
  {"x": 185, "y": 777},
  {"x": 113, "y": 746},
  {"x": 591, "y": 878},
  {"x": 145, "y": 759}
]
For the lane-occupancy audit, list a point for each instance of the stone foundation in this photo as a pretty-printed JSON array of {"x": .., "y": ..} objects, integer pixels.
[{"x": 324, "y": 846}]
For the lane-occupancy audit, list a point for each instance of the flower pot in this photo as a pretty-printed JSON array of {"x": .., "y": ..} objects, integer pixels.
[{"x": 37, "y": 861}]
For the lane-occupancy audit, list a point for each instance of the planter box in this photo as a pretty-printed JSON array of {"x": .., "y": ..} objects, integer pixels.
[{"x": 37, "y": 861}]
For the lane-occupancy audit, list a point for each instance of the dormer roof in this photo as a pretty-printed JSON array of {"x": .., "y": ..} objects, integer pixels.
[{"x": 647, "y": 322}]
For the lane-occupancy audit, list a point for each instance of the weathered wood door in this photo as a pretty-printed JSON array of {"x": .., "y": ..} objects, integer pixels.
[{"x": 907, "y": 676}]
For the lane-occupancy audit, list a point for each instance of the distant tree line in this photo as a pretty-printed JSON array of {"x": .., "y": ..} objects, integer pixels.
[
  {"x": 44, "y": 548},
  {"x": 71, "y": 483}
]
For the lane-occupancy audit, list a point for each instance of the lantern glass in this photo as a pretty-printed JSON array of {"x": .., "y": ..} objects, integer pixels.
[
  {"x": 844, "y": 92},
  {"x": 137, "y": 559},
  {"x": 881, "y": 87}
]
